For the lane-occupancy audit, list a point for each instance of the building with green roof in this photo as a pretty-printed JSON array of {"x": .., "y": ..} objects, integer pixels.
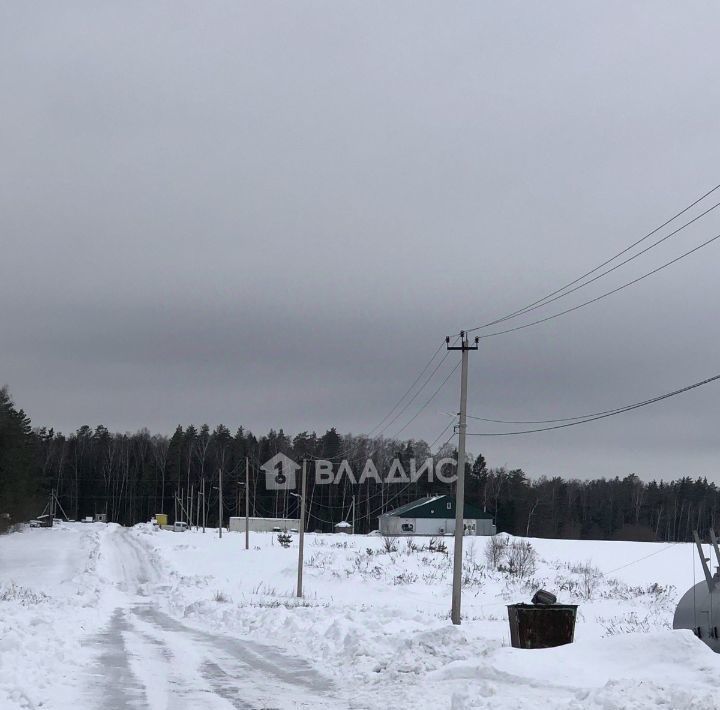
[{"x": 434, "y": 516}]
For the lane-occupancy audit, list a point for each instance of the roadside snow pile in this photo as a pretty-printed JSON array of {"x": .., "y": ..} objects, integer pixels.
[{"x": 48, "y": 600}]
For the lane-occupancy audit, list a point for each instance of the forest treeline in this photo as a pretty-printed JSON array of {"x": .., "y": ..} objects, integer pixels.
[{"x": 131, "y": 477}]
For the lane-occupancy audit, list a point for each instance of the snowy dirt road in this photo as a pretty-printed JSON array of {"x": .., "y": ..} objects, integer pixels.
[{"x": 144, "y": 658}]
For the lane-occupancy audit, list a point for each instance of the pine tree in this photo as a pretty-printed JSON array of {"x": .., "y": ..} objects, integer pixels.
[{"x": 20, "y": 480}]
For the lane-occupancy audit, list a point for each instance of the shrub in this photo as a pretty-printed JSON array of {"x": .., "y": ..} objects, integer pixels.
[
  {"x": 520, "y": 559},
  {"x": 23, "y": 595},
  {"x": 589, "y": 579},
  {"x": 473, "y": 574},
  {"x": 495, "y": 550},
  {"x": 389, "y": 543},
  {"x": 405, "y": 578},
  {"x": 436, "y": 545},
  {"x": 285, "y": 539}
]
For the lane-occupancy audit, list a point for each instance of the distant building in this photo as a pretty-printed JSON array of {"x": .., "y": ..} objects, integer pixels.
[
  {"x": 264, "y": 524},
  {"x": 344, "y": 527},
  {"x": 434, "y": 516}
]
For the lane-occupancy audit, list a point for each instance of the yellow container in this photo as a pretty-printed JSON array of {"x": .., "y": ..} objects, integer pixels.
[{"x": 161, "y": 518}]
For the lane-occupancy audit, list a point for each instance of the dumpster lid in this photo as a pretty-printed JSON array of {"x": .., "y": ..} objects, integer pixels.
[{"x": 542, "y": 596}]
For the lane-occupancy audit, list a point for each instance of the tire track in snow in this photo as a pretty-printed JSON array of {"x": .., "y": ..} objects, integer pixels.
[
  {"x": 146, "y": 659},
  {"x": 126, "y": 563},
  {"x": 114, "y": 686},
  {"x": 272, "y": 663},
  {"x": 269, "y": 679}
]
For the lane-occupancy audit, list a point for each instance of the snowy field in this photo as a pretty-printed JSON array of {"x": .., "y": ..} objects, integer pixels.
[{"x": 97, "y": 616}]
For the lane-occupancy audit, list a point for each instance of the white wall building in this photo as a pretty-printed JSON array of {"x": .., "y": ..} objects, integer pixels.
[{"x": 264, "y": 524}]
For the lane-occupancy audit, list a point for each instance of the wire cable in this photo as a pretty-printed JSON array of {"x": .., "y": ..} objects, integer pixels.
[
  {"x": 409, "y": 389},
  {"x": 601, "y": 296},
  {"x": 352, "y": 449},
  {"x": 453, "y": 421},
  {"x": 619, "y": 410},
  {"x": 590, "y": 415},
  {"x": 599, "y": 276},
  {"x": 645, "y": 557},
  {"x": 603, "y": 264},
  {"x": 414, "y": 397},
  {"x": 432, "y": 397}
]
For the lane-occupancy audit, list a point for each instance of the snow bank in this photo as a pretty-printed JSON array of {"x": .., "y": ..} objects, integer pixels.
[{"x": 49, "y": 600}]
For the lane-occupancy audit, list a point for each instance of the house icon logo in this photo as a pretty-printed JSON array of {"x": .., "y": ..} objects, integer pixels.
[{"x": 280, "y": 473}]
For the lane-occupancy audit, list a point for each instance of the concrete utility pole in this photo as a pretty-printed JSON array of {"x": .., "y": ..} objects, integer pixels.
[
  {"x": 220, "y": 502},
  {"x": 204, "y": 504},
  {"x": 464, "y": 347},
  {"x": 247, "y": 503},
  {"x": 301, "y": 530},
  {"x": 353, "y": 515}
]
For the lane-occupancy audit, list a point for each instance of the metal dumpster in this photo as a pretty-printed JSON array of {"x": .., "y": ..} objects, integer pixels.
[{"x": 541, "y": 626}]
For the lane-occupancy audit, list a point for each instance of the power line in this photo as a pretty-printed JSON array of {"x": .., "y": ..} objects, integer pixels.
[
  {"x": 432, "y": 397},
  {"x": 601, "y": 275},
  {"x": 409, "y": 389},
  {"x": 442, "y": 433},
  {"x": 601, "y": 296},
  {"x": 640, "y": 559},
  {"x": 603, "y": 264},
  {"x": 610, "y": 413},
  {"x": 590, "y": 415},
  {"x": 352, "y": 449},
  {"x": 414, "y": 397}
]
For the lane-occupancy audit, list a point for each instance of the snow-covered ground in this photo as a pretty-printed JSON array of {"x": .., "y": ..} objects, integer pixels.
[{"x": 98, "y": 616}]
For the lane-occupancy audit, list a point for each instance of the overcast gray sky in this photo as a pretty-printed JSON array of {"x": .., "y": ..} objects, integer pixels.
[{"x": 270, "y": 214}]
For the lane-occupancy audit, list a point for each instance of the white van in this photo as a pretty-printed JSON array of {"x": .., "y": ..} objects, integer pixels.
[{"x": 179, "y": 526}]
